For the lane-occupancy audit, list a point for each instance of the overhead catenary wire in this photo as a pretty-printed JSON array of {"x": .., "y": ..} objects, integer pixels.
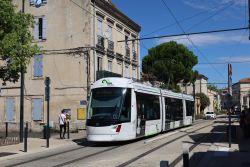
[
  {"x": 179, "y": 25},
  {"x": 193, "y": 16},
  {"x": 188, "y": 34},
  {"x": 229, "y": 4}
]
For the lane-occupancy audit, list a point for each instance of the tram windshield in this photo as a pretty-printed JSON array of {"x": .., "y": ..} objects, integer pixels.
[{"x": 108, "y": 106}]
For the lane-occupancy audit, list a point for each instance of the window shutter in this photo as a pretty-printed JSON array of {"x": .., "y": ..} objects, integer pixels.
[
  {"x": 41, "y": 65},
  {"x": 32, "y": 2},
  {"x": 36, "y": 29},
  {"x": 37, "y": 106},
  {"x": 10, "y": 110},
  {"x": 38, "y": 65},
  {"x": 44, "y": 28}
]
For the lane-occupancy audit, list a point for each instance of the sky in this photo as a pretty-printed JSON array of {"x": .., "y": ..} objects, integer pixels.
[{"x": 214, "y": 50}]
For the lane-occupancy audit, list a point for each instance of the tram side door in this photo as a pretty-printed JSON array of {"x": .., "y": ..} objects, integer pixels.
[{"x": 141, "y": 119}]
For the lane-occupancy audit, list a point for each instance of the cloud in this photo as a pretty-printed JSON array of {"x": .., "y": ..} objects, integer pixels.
[
  {"x": 207, "y": 39},
  {"x": 213, "y": 4},
  {"x": 235, "y": 59}
]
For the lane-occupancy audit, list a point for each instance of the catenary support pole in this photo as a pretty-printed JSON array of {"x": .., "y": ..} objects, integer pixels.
[
  {"x": 249, "y": 18},
  {"x": 229, "y": 103},
  {"x": 21, "y": 94}
]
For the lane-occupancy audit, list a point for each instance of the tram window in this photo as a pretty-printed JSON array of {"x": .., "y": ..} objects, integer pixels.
[
  {"x": 126, "y": 108},
  {"x": 148, "y": 106},
  {"x": 174, "y": 109},
  {"x": 190, "y": 108}
]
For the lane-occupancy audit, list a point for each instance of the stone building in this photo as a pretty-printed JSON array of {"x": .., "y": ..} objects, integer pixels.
[
  {"x": 79, "y": 43},
  {"x": 241, "y": 93}
]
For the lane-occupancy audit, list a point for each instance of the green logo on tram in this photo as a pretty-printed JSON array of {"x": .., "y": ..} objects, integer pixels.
[{"x": 106, "y": 82}]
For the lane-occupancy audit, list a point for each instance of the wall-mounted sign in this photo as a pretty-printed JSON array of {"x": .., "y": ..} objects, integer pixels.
[
  {"x": 83, "y": 102},
  {"x": 38, "y": 3}
]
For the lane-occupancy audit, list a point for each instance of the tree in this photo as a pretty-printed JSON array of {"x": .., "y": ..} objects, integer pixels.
[
  {"x": 170, "y": 63},
  {"x": 204, "y": 100},
  {"x": 214, "y": 88},
  {"x": 16, "y": 47}
]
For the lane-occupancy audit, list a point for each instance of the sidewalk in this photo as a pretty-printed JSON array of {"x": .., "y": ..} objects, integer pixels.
[
  {"x": 36, "y": 145},
  {"x": 219, "y": 154}
]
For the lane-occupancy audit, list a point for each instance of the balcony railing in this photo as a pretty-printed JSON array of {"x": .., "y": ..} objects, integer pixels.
[
  {"x": 100, "y": 42},
  {"x": 134, "y": 55},
  {"x": 127, "y": 52},
  {"x": 110, "y": 45}
]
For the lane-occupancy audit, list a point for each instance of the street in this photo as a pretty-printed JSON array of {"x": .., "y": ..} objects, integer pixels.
[{"x": 144, "y": 152}]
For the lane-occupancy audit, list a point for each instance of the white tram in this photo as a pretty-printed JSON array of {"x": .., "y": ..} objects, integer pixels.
[{"x": 121, "y": 109}]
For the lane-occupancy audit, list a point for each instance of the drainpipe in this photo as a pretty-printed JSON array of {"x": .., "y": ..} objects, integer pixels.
[{"x": 94, "y": 35}]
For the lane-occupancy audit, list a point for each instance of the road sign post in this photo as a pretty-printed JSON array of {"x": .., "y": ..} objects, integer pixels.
[{"x": 47, "y": 98}]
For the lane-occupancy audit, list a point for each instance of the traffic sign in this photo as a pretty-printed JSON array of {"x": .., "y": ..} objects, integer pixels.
[{"x": 47, "y": 88}]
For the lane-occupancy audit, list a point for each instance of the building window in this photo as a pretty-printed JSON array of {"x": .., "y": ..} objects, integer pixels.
[
  {"x": 126, "y": 71},
  {"x": 126, "y": 41},
  {"x": 110, "y": 65},
  {"x": 38, "y": 66},
  {"x": 37, "y": 3},
  {"x": 134, "y": 72},
  {"x": 37, "y": 109},
  {"x": 10, "y": 110},
  {"x": 109, "y": 33},
  {"x": 99, "y": 63},
  {"x": 40, "y": 28},
  {"x": 99, "y": 27}
]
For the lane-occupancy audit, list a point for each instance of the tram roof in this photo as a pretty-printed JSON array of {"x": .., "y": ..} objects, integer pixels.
[{"x": 140, "y": 87}]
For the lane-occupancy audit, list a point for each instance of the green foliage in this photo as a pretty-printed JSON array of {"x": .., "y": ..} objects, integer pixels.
[
  {"x": 199, "y": 116},
  {"x": 170, "y": 63},
  {"x": 213, "y": 87},
  {"x": 204, "y": 100},
  {"x": 16, "y": 47}
]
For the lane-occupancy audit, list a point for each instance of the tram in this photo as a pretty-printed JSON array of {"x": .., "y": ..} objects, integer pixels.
[{"x": 121, "y": 109}]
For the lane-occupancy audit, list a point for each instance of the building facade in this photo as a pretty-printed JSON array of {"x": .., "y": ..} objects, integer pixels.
[
  {"x": 199, "y": 87},
  {"x": 79, "y": 45},
  {"x": 241, "y": 93}
]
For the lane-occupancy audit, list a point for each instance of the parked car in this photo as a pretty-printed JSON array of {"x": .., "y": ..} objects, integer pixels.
[{"x": 210, "y": 115}]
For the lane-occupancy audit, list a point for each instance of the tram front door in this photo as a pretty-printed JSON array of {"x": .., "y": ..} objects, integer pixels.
[{"x": 141, "y": 121}]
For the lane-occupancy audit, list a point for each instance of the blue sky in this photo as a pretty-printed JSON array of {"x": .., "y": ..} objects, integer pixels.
[{"x": 196, "y": 16}]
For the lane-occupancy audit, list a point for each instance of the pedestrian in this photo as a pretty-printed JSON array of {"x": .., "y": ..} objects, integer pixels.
[
  {"x": 242, "y": 119},
  {"x": 247, "y": 124},
  {"x": 243, "y": 122},
  {"x": 62, "y": 122}
]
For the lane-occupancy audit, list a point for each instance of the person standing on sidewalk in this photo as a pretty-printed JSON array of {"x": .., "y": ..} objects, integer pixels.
[
  {"x": 62, "y": 122},
  {"x": 247, "y": 122}
]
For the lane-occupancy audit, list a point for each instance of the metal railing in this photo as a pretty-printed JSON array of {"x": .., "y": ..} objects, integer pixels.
[
  {"x": 100, "y": 41},
  {"x": 110, "y": 45}
]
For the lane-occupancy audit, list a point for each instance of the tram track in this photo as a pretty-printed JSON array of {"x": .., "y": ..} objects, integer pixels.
[
  {"x": 160, "y": 146},
  {"x": 101, "y": 152},
  {"x": 138, "y": 157}
]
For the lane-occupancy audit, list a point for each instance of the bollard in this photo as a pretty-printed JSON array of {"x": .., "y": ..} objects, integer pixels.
[
  {"x": 25, "y": 137},
  {"x": 6, "y": 130},
  {"x": 68, "y": 128},
  {"x": 185, "y": 155}
]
